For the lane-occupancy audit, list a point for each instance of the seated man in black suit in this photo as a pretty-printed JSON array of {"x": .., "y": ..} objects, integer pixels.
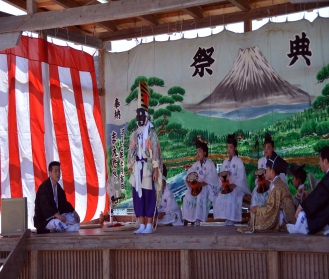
[{"x": 52, "y": 210}]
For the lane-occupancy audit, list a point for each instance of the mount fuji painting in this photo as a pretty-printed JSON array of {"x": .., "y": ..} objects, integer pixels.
[{"x": 252, "y": 88}]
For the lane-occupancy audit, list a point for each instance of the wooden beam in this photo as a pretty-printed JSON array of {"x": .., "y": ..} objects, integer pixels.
[
  {"x": 72, "y": 4},
  {"x": 74, "y": 37},
  {"x": 94, "y": 13},
  {"x": 107, "y": 25},
  {"x": 186, "y": 25},
  {"x": 194, "y": 12},
  {"x": 243, "y": 5},
  {"x": 31, "y": 6},
  {"x": 150, "y": 19},
  {"x": 9, "y": 40}
]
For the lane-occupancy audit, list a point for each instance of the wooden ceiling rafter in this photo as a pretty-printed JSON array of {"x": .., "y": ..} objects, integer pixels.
[
  {"x": 243, "y": 5},
  {"x": 194, "y": 12},
  {"x": 92, "y": 23},
  {"x": 223, "y": 19}
]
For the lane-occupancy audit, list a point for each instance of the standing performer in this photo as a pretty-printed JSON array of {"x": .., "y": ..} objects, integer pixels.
[
  {"x": 52, "y": 211},
  {"x": 196, "y": 203},
  {"x": 228, "y": 204},
  {"x": 145, "y": 164}
]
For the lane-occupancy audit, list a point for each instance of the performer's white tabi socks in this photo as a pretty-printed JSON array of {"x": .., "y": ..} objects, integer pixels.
[
  {"x": 148, "y": 229},
  {"x": 140, "y": 230},
  {"x": 301, "y": 225}
]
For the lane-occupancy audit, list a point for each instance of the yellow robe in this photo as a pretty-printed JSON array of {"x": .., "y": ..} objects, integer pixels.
[{"x": 267, "y": 217}]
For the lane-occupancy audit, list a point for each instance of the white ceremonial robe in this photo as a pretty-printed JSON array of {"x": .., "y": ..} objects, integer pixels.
[
  {"x": 71, "y": 225},
  {"x": 197, "y": 208},
  {"x": 229, "y": 206},
  {"x": 261, "y": 198},
  {"x": 171, "y": 208}
]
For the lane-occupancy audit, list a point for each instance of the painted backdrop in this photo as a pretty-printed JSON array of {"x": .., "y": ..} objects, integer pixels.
[{"x": 270, "y": 80}]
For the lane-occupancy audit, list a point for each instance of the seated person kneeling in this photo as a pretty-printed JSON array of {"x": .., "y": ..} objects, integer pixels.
[
  {"x": 313, "y": 213},
  {"x": 279, "y": 208},
  {"x": 169, "y": 211},
  {"x": 52, "y": 210},
  {"x": 298, "y": 179}
]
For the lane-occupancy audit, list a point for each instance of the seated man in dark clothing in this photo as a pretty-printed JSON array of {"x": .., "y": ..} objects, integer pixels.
[
  {"x": 52, "y": 210},
  {"x": 313, "y": 213}
]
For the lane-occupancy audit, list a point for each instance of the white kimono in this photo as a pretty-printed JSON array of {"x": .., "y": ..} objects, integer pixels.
[
  {"x": 171, "y": 208},
  {"x": 261, "y": 198},
  {"x": 229, "y": 206},
  {"x": 197, "y": 207}
]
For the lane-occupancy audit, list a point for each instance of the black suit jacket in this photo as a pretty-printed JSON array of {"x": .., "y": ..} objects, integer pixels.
[
  {"x": 316, "y": 206},
  {"x": 45, "y": 206}
]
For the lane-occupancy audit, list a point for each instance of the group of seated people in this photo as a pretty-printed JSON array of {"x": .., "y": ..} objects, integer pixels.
[{"x": 272, "y": 206}]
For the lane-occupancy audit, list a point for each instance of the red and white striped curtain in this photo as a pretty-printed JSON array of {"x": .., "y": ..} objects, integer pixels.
[{"x": 49, "y": 110}]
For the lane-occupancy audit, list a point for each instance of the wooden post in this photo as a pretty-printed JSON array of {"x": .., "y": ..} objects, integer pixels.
[
  {"x": 31, "y": 7},
  {"x": 101, "y": 87},
  {"x": 35, "y": 265},
  {"x": 106, "y": 263},
  {"x": 247, "y": 25},
  {"x": 185, "y": 264},
  {"x": 273, "y": 265}
]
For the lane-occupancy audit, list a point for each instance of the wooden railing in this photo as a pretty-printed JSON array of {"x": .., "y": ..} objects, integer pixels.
[{"x": 13, "y": 264}]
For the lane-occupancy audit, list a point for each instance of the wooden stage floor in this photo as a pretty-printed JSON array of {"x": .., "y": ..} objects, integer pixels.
[{"x": 207, "y": 251}]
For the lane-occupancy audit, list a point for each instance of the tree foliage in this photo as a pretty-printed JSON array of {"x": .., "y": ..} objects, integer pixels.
[
  {"x": 174, "y": 108},
  {"x": 132, "y": 125},
  {"x": 323, "y": 74},
  {"x": 161, "y": 112},
  {"x": 308, "y": 128},
  {"x": 320, "y": 102},
  {"x": 132, "y": 96},
  {"x": 160, "y": 106},
  {"x": 320, "y": 144},
  {"x": 176, "y": 90},
  {"x": 322, "y": 128},
  {"x": 325, "y": 90},
  {"x": 166, "y": 100},
  {"x": 177, "y": 98},
  {"x": 154, "y": 81},
  {"x": 136, "y": 82}
]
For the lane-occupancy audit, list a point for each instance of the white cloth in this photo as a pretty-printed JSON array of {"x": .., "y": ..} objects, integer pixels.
[
  {"x": 198, "y": 207},
  {"x": 229, "y": 206},
  {"x": 71, "y": 224},
  {"x": 142, "y": 137},
  {"x": 171, "y": 208},
  {"x": 55, "y": 194}
]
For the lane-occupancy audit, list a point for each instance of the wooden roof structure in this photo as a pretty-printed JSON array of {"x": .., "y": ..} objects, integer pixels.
[{"x": 92, "y": 23}]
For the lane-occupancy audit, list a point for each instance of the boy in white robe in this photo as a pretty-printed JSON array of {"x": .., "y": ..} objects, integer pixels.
[
  {"x": 169, "y": 210},
  {"x": 196, "y": 208},
  {"x": 229, "y": 206},
  {"x": 268, "y": 148}
]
